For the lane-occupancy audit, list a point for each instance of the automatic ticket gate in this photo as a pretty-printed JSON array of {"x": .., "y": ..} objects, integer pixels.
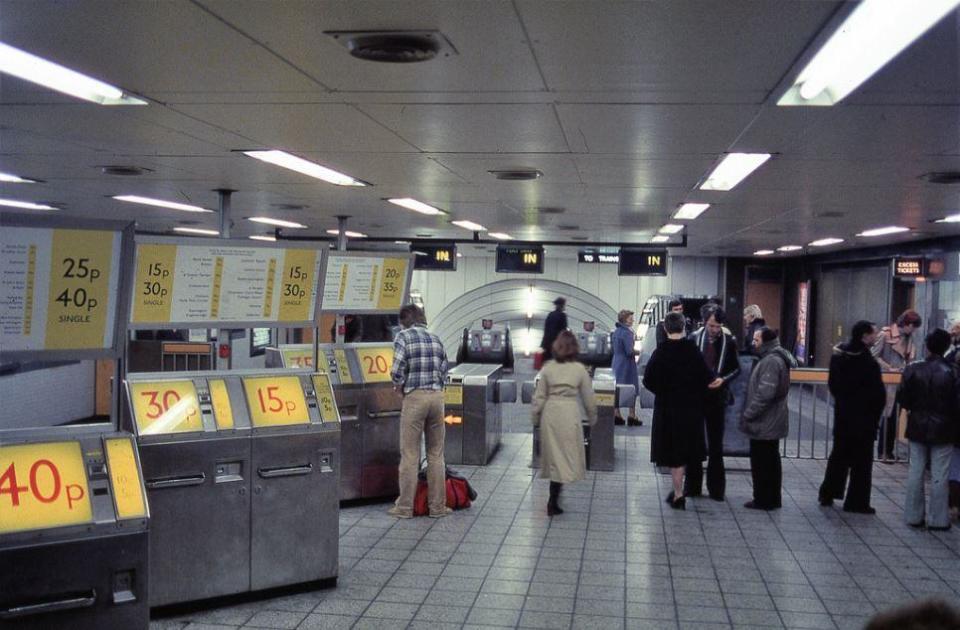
[
  {"x": 489, "y": 344},
  {"x": 473, "y": 397},
  {"x": 73, "y": 533},
  {"x": 596, "y": 350},
  {"x": 370, "y": 412},
  {"x": 598, "y": 439},
  {"x": 241, "y": 472}
]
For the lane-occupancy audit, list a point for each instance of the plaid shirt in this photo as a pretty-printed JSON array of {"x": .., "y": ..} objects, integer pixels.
[{"x": 419, "y": 360}]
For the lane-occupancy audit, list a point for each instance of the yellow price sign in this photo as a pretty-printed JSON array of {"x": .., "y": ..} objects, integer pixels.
[
  {"x": 153, "y": 289},
  {"x": 276, "y": 401},
  {"x": 222, "y": 411},
  {"x": 164, "y": 407},
  {"x": 297, "y": 357},
  {"x": 604, "y": 400},
  {"x": 125, "y": 478},
  {"x": 43, "y": 486},
  {"x": 375, "y": 364},
  {"x": 296, "y": 288},
  {"x": 453, "y": 395},
  {"x": 326, "y": 401},
  {"x": 392, "y": 280},
  {"x": 343, "y": 366}
]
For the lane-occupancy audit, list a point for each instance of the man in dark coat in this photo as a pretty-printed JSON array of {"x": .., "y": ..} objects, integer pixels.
[
  {"x": 719, "y": 350},
  {"x": 555, "y": 323},
  {"x": 859, "y": 397},
  {"x": 675, "y": 306}
]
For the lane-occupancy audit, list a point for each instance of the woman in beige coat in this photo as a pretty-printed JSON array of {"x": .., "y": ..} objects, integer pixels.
[{"x": 563, "y": 385}]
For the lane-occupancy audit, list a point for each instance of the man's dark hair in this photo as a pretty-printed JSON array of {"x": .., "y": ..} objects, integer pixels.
[
  {"x": 674, "y": 303},
  {"x": 861, "y": 328},
  {"x": 938, "y": 341},
  {"x": 674, "y": 323},
  {"x": 560, "y": 302},
  {"x": 412, "y": 314},
  {"x": 768, "y": 334},
  {"x": 909, "y": 318},
  {"x": 565, "y": 348},
  {"x": 717, "y": 313},
  {"x": 929, "y": 614}
]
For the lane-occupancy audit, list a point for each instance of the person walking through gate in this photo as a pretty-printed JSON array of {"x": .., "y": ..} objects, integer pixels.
[
  {"x": 719, "y": 350},
  {"x": 678, "y": 377},
  {"x": 624, "y": 365},
  {"x": 930, "y": 394},
  {"x": 894, "y": 349},
  {"x": 858, "y": 400},
  {"x": 419, "y": 369},
  {"x": 765, "y": 417},
  {"x": 555, "y": 323},
  {"x": 563, "y": 385}
]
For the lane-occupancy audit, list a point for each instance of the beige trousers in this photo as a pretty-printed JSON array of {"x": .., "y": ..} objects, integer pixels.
[{"x": 422, "y": 414}]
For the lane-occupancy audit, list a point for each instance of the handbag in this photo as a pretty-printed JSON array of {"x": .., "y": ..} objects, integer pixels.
[{"x": 460, "y": 494}]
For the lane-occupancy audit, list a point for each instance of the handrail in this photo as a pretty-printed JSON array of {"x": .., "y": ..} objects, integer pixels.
[{"x": 820, "y": 375}]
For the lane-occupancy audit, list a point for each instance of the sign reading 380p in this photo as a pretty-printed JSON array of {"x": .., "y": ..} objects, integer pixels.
[
  {"x": 368, "y": 282},
  {"x": 58, "y": 288},
  {"x": 224, "y": 283}
]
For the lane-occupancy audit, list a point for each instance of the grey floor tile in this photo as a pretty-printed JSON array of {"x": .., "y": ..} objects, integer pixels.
[
  {"x": 494, "y": 617},
  {"x": 549, "y": 604},
  {"x": 349, "y": 607},
  {"x": 276, "y": 619},
  {"x": 445, "y": 614},
  {"x": 591, "y": 622},
  {"x": 207, "y": 626},
  {"x": 499, "y": 600},
  {"x": 545, "y": 620},
  {"x": 766, "y": 618},
  {"x": 391, "y": 610},
  {"x": 806, "y": 620},
  {"x": 326, "y": 622}
]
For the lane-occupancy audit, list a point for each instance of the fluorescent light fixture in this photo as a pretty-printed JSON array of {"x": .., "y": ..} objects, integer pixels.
[
  {"x": 764, "y": 252},
  {"x": 873, "y": 34},
  {"x": 26, "y": 205},
  {"x": 306, "y": 167},
  {"x": 277, "y": 222},
  {"x": 671, "y": 228},
  {"x": 459, "y": 255},
  {"x": 733, "y": 169},
  {"x": 9, "y": 178},
  {"x": 190, "y": 230},
  {"x": 824, "y": 242},
  {"x": 500, "y": 236},
  {"x": 789, "y": 248},
  {"x": 883, "y": 231},
  {"x": 416, "y": 206},
  {"x": 691, "y": 210},
  {"x": 160, "y": 203},
  {"x": 470, "y": 225},
  {"x": 54, "y": 76},
  {"x": 263, "y": 237},
  {"x": 953, "y": 218},
  {"x": 348, "y": 233},
  {"x": 660, "y": 238}
]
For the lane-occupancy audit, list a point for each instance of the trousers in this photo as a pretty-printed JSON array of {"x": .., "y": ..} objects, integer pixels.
[
  {"x": 716, "y": 475},
  {"x": 853, "y": 456},
  {"x": 422, "y": 414},
  {"x": 767, "y": 473},
  {"x": 938, "y": 455}
]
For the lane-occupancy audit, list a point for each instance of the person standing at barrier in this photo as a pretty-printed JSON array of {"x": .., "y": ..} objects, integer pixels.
[
  {"x": 766, "y": 419},
  {"x": 624, "y": 340},
  {"x": 752, "y": 322},
  {"x": 894, "y": 349},
  {"x": 858, "y": 399},
  {"x": 563, "y": 386},
  {"x": 678, "y": 377},
  {"x": 719, "y": 350},
  {"x": 930, "y": 394},
  {"x": 419, "y": 369},
  {"x": 555, "y": 323},
  {"x": 675, "y": 306}
]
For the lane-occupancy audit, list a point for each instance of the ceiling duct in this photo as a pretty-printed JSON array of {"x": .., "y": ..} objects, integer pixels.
[
  {"x": 942, "y": 177},
  {"x": 394, "y": 46},
  {"x": 124, "y": 171},
  {"x": 517, "y": 174}
]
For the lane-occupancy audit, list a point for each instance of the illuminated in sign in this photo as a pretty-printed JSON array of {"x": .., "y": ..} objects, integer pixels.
[
  {"x": 435, "y": 257},
  {"x": 643, "y": 262},
  {"x": 514, "y": 259}
]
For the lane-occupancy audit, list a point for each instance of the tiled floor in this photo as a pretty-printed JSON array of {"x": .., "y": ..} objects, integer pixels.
[{"x": 619, "y": 557}]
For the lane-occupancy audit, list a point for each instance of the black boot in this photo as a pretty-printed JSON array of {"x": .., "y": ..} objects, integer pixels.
[{"x": 553, "y": 505}]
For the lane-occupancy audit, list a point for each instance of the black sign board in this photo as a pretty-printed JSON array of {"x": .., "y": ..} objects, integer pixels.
[
  {"x": 520, "y": 259},
  {"x": 643, "y": 262},
  {"x": 588, "y": 256},
  {"x": 909, "y": 267},
  {"x": 435, "y": 256}
]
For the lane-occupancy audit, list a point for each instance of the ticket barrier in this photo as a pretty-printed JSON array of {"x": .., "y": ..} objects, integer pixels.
[
  {"x": 598, "y": 439},
  {"x": 488, "y": 344},
  {"x": 473, "y": 397},
  {"x": 241, "y": 472},
  {"x": 596, "y": 350},
  {"x": 370, "y": 412},
  {"x": 73, "y": 534}
]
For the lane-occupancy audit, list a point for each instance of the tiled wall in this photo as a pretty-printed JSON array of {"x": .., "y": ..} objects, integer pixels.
[{"x": 48, "y": 397}]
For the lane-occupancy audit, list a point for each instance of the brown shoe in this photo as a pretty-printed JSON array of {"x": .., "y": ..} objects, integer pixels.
[
  {"x": 398, "y": 513},
  {"x": 446, "y": 512}
]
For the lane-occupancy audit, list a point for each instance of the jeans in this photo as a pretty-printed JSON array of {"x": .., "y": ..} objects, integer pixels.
[
  {"x": 767, "y": 473},
  {"x": 714, "y": 411},
  {"x": 856, "y": 456},
  {"x": 422, "y": 413},
  {"x": 938, "y": 456}
]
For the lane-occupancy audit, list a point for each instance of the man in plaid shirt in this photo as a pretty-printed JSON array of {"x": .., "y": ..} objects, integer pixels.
[{"x": 419, "y": 369}]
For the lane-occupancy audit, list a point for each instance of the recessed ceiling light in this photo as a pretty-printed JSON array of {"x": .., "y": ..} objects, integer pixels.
[
  {"x": 416, "y": 206},
  {"x": 500, "y": 236},
  {"x": 691, "y": 210},
  {"x": 873, "y": 34},
  {"x": 733, "y": 169},
  {"x": 671, "y": 228},
  {"x": 305, "y": 167},
  {"x": 660, "y": 238},
  {"x": 9, "y": 178},
  {"x": 263, "y": 237},
  {"x": 469, "y": 225},
  {"x": 823, "y": 242},
  {"x": 953, "y": 218},
  {"x": 789, "y": 248},
  {"x": 54, "y": 76},
  {"x": 277, "y": 222},
  {"x": 26, "y": 205},
  {"x": 763, "y": 252},
  {"x": 348, "y": 233},
  {"x": 883, "y": 231},
  {"x": 160, "y": 203},
  {"x": 189, "y": 230}
]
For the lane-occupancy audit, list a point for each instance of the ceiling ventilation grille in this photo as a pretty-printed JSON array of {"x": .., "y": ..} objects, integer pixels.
[
  {"x": 517, "y": 174},
  {"x": 394, "y": 46},
  {"x": 942, "y": 177}
]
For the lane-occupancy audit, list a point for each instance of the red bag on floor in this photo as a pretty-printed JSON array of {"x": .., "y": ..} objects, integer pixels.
[
  {"x": 538, "y": 360},
  {"x": 460, "y": 493}
]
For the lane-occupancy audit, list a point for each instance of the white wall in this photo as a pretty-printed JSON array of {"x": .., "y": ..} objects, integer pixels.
[{"x": 49, "y": 397}]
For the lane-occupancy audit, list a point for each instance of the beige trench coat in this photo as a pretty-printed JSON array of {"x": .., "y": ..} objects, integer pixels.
[{"x": 557, "y": 411}]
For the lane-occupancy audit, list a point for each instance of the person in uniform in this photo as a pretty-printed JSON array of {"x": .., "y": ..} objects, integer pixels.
[{"x": 555, "y": 323}]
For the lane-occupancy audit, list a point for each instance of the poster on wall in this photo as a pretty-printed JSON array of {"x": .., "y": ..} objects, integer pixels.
[{"x": 803, "y": 310}]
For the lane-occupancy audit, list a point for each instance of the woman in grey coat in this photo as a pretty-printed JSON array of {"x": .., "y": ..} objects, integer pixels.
[{"x": 766, "y": 418}]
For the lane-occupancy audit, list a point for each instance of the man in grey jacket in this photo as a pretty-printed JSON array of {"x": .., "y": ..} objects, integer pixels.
[{"x": 766, "y": 418}]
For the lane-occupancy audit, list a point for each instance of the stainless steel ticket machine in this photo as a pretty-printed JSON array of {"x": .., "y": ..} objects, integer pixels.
[
  {"x": 241, "y": 471},
  {"x": 473, "y": 412}
]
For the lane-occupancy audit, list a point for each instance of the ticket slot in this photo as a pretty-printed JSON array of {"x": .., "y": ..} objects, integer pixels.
[
  {"x": 183, "y": 481},
  {"x": 285, "y": 471},
  {"x": 66, "y": 602}
]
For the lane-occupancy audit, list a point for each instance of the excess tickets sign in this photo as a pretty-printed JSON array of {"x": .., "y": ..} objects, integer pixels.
[{"x": 365, "y": 282}]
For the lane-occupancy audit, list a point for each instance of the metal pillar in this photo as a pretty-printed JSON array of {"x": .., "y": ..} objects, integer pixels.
[{"x": 223, "y": 334}]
